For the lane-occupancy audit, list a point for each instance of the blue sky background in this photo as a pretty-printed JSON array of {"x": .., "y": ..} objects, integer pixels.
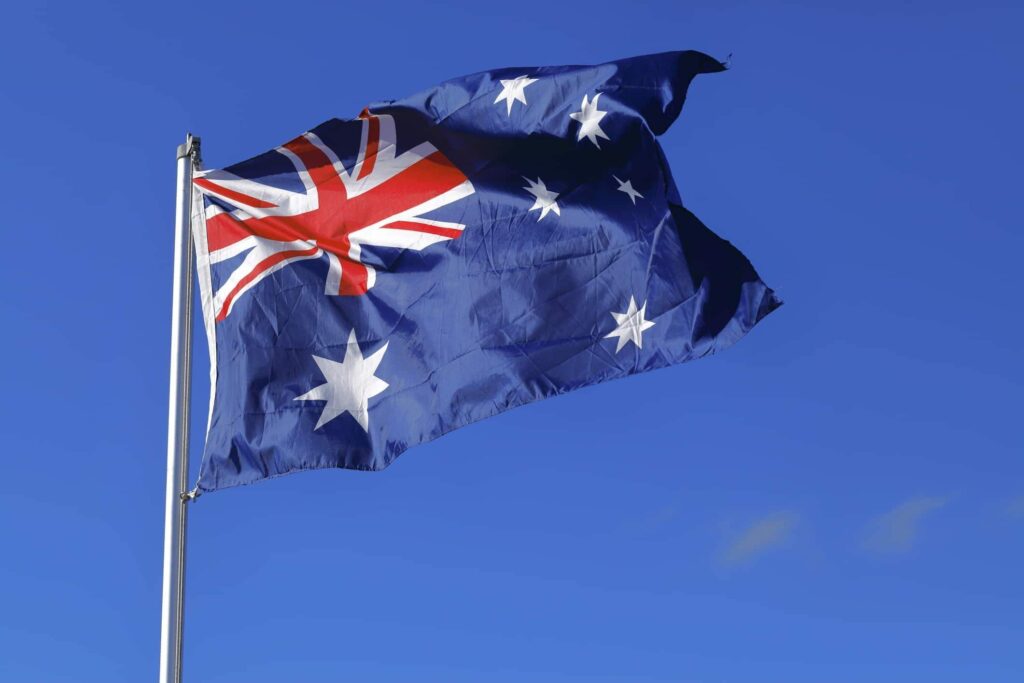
[{"x": 838, "y": 498}]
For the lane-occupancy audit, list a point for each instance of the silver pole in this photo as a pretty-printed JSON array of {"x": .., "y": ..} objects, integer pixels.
[{"x": 175, "y": 511}]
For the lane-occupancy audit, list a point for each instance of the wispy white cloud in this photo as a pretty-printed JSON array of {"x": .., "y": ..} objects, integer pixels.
[
  {"x": 764, "y": 534},
  {"x": 896, "y": 530}
]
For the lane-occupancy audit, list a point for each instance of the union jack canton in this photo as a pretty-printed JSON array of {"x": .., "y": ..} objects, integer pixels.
[{"x": 506, "y": 236}]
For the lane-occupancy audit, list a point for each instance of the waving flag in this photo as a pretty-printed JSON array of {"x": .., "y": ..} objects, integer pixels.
[{"x": 377, "y": 282}]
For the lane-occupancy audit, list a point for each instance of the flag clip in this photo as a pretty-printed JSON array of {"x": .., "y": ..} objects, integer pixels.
[{"x": 190, "y": 148}]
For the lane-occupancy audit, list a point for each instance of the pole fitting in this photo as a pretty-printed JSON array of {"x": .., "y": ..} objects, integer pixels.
[
  {"x": 190, "y": 495},
  {"x": 190, "y": 148}
]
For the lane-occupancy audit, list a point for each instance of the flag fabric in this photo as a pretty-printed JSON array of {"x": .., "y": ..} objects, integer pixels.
[{"x": 377, "y": 282}]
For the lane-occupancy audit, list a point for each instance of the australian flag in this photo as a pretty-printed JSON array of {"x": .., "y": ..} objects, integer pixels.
[{"x": 377, "y": 282}]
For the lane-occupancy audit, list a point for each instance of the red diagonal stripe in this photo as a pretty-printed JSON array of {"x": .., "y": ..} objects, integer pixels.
[
  {"x": 451, "y": 233},
  {"x": 262, "y": 266},
  {"x": 316, "y": 162},
  {"x": 237, "y": 197}
]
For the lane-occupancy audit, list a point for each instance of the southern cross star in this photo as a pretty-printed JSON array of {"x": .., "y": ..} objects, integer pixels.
[
  {"x": 627, "y": 187},
  {"x": 514, "y": 90},
  {"x": 350, "y": 384},
  {"x": 631, "y": 325},
  {"x": 545, "y": 198},
  {"x": 589, "y": 117}
]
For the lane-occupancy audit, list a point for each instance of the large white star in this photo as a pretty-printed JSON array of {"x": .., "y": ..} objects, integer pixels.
[
  {"x": 589, "y": 117},
  {"x": 545, "y": 198},
  {"x": 631, "y": 325},
  {"x": 514, "y": 91},
  {"x": 350, "y": 384},
  {"x": 627, "y": 187}
]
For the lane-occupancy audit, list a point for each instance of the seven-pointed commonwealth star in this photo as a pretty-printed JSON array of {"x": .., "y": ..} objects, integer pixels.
[
  {"x": 631, "y": 325},
  {"x": 350, "y": 384},
  {"x": 514, "y": 91},
  {"x": 589, "y": 117},
  {"x": 627, "y": 187},
  {"x": 545, "y": 198}
]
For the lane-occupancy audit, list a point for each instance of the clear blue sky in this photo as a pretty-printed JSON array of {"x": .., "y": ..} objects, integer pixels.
[{"x": 838, "y": 498}]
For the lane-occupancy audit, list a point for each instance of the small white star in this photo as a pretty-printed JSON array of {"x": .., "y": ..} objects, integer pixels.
[
  {"x": 350, "y": 384},
  {"x": 545, "y": 198},
  {"x": 627, "y": 187},
  {"x": 631, "y": 325},
  {"x": 589, "y": 117},
  {"x": 514, "y": 91}
]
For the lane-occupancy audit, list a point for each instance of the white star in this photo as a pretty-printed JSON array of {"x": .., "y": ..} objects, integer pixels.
[
  {"x": 631, "y": 325},
  {"x": 514, "y": 91},
  {"x": 545, "y": 198},
  {"x": 350, "y": 384},
  {"x": 589, "y": 117},
  {"x": 627, "y": 187}
]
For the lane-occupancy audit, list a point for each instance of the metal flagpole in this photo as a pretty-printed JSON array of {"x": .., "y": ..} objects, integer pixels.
[{"x": 175, "y": 511}]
